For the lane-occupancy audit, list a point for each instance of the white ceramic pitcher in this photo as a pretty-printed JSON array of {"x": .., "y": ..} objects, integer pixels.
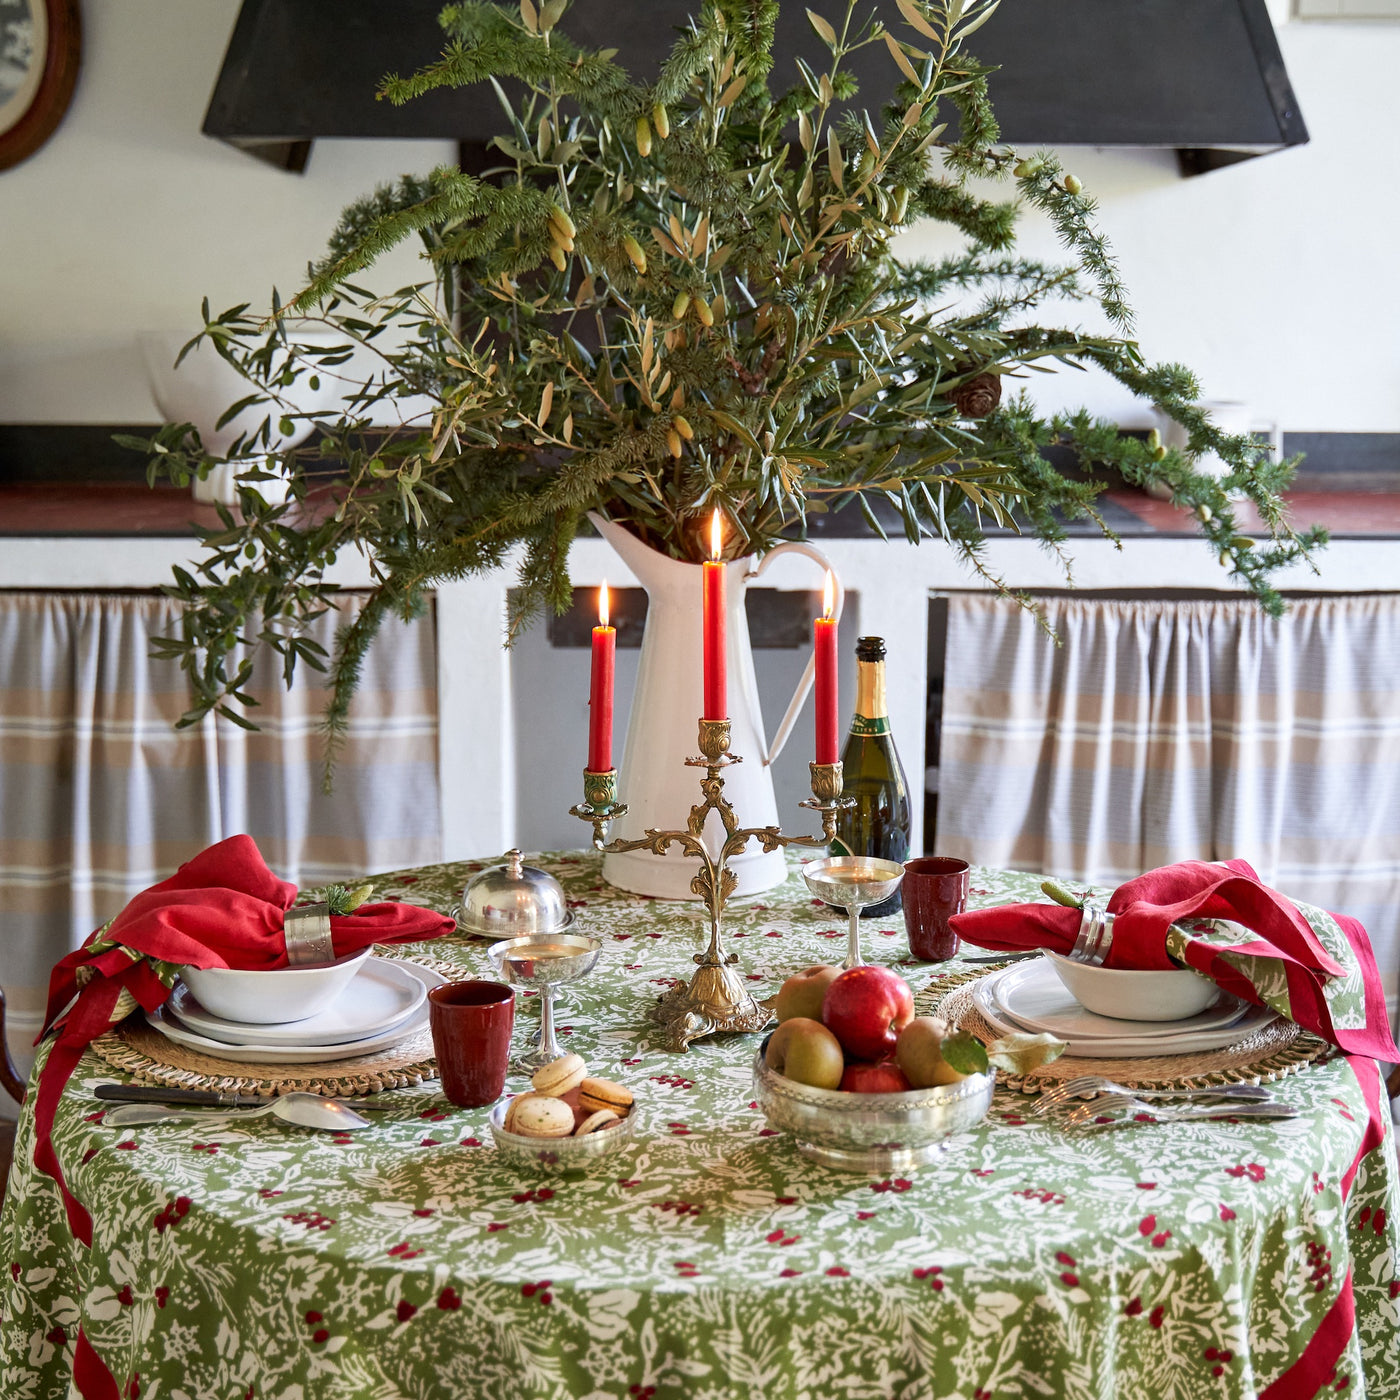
[{"x": 662, "y": 729}]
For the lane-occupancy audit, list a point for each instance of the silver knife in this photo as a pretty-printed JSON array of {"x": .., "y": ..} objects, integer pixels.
[{"x": 211, "y": 1098}]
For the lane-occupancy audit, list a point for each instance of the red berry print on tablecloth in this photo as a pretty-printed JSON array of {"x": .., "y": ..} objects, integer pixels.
[
  {"x": 1319, "y": 1265},
  {"x": 133, "y": 1391},
  {"x": 321, "y": 1335},
  {"x": 1146, "y": 1185},
  {"x": 162, "y": 1295},
  {"x": 865, "y": 1215},
  {"x": 89, "y": 1155},
  {"x": 680, "y": 1207},
  {"x": 1252, "y": 1170},
  {"x": 1157, "y": 1316},
  {"x": 311, "y": 1219},
  {"x": 642, "y": 1392},
  {"x": 931, "y": 1273},
  {"x": 789, "y": 1273},
  {"x": 686, "y": 1269},
  {"x": 538, "y": 1291},
  {"x": 673, "y": 1081},
  {"x": 496, "y": 1225},
  {"x": 836, "y": 1271},
  {"x": 1221, "y": 1359},
  {"x": 1048, "y": 1198},
  {"x": 1147, "y": 1224},
  {"x": 1226, "y": 1214},
  {"x": 267, "y": 1193},
  {"x": 449, "y": 1300},
  {"x": 1134, "y": 1308},
  {"x": 423, "y": 1212},
  {"x": 781, "y": 1238},
  {"x": 56, "y": 1336},
  {"x": 543, "y": 1193},
  {"x": 980, "y": 1394},
  {"x": 131, "y": 1147},
  {"x": 678, "y": 1130},
  {"x": 313, "y": 1317},
  {"x": 405, "y": 1310},
  {"x": 1160, "y": 1238},
  {"x": 403, "y": 1250},
  {"x": 125, "y": 1297},
  {"x": 898, "y": 1184}
]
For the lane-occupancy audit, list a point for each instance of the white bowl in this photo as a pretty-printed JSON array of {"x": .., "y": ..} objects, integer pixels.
[
  {"x": 1136, "y": 996},
  {"x": 274, "y": 995}
]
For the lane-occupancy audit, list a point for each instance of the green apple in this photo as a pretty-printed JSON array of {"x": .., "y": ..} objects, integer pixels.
[
  {"x": 803, "y": 993},
  {"x": 919, "y": 1051},
  {"x": 804, "y": 1050}
]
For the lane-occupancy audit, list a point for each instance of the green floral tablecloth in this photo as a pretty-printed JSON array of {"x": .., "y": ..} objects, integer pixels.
[{"x": 256, "y": 1262}]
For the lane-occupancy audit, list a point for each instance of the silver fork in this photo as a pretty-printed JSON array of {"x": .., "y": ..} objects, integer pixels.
[
  {"x": 1120, "y": 1111},
  {"x": 1061, "y": 1096}
]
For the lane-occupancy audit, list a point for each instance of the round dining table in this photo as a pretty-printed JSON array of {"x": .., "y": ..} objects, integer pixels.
[{"x": 253, "y": 1260}]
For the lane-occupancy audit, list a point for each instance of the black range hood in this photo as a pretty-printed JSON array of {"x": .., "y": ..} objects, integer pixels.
[{"x": 1202, "y": 77}]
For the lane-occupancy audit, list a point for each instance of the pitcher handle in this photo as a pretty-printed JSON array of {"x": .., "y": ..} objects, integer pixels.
[{"x": 805, "y": 684}]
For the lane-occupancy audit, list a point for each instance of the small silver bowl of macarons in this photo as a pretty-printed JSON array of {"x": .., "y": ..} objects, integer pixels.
[{"x": 566, "y": 1119}]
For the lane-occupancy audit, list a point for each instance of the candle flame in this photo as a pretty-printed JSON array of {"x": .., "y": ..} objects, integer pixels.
[
  {"x": 716, "y": 535},
  {"x": 603, "y": 605},
  {"x": 828, "y": 594}
]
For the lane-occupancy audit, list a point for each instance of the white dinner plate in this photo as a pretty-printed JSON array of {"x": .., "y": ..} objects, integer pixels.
[
  {"x": 381, "y": 994},
  {"x": 1130, "y": 1045},
  {"x": 1033, "y": 994},
  {"x": 169, "y": 1027}
]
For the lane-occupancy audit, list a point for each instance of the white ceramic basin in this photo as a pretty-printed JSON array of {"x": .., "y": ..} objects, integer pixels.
[{"x": 1136, "y": 996}]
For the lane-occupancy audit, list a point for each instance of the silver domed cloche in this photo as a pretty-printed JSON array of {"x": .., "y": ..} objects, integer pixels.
[{"x": 514, "y": 899}]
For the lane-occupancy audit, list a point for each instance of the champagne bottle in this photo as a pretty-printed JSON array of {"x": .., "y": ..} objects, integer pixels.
[{"x": 878, "y": 825}]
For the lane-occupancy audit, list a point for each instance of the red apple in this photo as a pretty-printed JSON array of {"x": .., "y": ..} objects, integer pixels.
[
  {"x": 884, "y": 1078},
  {"x": 804, "y": 1050},
  {"x": 802, "y": 993},
  {"x": 866, "y": 1007}
]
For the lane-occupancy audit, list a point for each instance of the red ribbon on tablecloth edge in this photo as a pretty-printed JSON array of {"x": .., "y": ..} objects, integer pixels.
[{"x": 1320, "y": 1358}]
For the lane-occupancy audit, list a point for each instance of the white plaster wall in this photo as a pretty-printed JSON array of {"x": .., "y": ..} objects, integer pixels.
[
  {"x": 1274, "y": 279},
  {"x": 128, "y": 216}
]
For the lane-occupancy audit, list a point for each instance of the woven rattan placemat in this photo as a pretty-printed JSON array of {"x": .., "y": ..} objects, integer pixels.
[
  {"x": 1273, "y": 1052},
  {"x": 143, "y": 1052}
]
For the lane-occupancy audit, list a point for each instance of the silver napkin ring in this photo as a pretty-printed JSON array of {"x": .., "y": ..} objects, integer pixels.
[
  {"x": 1095, "y": 936},
  {"x": 307, "y": 929}
]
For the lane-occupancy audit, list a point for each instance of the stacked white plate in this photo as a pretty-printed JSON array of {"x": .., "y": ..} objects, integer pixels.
[
  {"x": 1029, "y": 997},
  {"x": 385, "y": 1002}
]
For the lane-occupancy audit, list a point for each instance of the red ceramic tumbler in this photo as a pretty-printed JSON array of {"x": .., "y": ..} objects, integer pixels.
[
  {"x": 934, "y": 889},
  {"x": 471, "y": 1024}
]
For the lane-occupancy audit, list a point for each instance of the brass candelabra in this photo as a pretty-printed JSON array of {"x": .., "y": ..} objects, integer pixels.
[{"x": 715, "y": 999}]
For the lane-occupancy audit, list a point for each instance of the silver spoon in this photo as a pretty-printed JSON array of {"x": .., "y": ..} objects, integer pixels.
[{"x": 303, "y": 1110}]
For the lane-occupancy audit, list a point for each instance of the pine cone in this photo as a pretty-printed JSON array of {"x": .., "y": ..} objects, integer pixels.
[{"x": 979, "y": 396}]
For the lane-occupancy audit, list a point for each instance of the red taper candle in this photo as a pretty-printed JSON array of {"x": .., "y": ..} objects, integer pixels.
[
  {"x": 600, "y": 691},
  {"x": 824, "y": 645},
  {"x": 716, "y": 680}
]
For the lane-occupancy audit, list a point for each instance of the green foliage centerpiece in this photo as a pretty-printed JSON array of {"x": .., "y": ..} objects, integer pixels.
[{"x": 674, "y": 296}]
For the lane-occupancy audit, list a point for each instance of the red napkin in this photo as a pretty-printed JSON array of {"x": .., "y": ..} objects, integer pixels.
[
  {"x": 224, "y": 908},
  {"x": 1319, "y": 990}
]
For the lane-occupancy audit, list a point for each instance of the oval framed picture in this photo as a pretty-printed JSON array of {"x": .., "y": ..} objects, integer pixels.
[{"x": 40, "y": 46}]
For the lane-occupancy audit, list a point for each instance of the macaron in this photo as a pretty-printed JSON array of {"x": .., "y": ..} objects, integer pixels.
[
  {"x": 594, "y": 1094},
  {"x": 603, "y": 1118},
  {"x": 539, "y": 1116},
  {"x": 559, "y": 1076}
]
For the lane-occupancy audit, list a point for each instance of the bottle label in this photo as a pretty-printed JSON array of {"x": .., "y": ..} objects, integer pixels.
[
  {"x": 864, "y": 726},
  {"x": 840, "y": 848}
]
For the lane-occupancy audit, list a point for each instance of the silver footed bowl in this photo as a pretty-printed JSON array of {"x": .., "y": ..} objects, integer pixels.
[
  {"x": 541, "y": 960},
  {"x": 870, "y": 1132},
  {"x": 557, "y": 1154}
]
